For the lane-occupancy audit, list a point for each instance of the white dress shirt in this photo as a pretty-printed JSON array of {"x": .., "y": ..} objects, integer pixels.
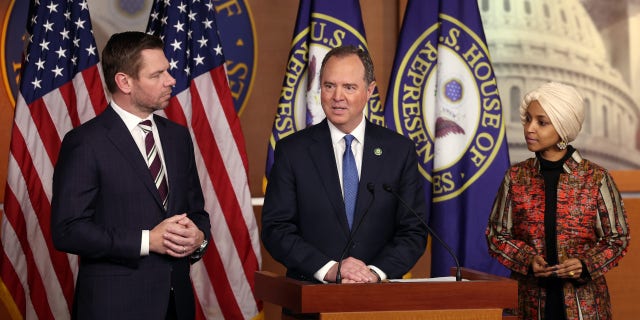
[{"x": 138, "y": 135}]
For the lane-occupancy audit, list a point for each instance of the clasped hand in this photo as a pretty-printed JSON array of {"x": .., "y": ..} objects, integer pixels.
[
  {"x": 176, "y": 236},
  {"x": 352, "y": 270},
  {"x": 569, "y": 269}
]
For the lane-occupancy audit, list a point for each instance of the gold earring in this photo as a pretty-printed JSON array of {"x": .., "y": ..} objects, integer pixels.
[{"x": 561, "y": 145}]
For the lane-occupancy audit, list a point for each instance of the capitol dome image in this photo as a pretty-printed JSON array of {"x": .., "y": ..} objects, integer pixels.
[{"x": 535, "y": 41}]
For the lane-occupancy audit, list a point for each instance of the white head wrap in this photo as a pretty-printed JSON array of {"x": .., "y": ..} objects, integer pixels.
[{"x": 562, "y": 104}]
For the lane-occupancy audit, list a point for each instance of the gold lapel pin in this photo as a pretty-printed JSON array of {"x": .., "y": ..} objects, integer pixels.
[{"x": 377, "y": 151}]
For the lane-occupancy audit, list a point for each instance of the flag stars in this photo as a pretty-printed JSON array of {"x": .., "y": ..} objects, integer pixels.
[
  {"x": 186, "y": 39},
  {"x": 173, "y": 64},
  {"x": 84, "y": 5},
  {"x": 61, "y": 42},
  {"x": 62, "y": 53},
  {"x": 198, "y": 60},
  {"x": 36, "y": 83},
  {"x": 203, "y": 42},
  {"x": 80, "y": 23},
  {"x": 218, "y": 50},
  {"x": 179, "y": 26},
  {"x": 209, "y": 5},
  {"x": 44, "y": 45},
  {"x": 57, "y": 71},
  {"x": 91, "y": 50},
  {"x": 52, "y": 7},
  {"x": 48, "y": 26},
  {"x": 176, "y": 45},
  {"x": 207, "y": 23},
  {"x": 40, "y": 64},
  {"x": 64, "y": 33}
]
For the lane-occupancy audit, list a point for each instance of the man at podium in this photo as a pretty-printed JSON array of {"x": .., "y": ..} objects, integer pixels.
[{"x": 325, "y": 201}]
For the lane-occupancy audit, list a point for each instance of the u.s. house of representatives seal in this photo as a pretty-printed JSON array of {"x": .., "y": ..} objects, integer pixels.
[{"x": 446, "y": 100}]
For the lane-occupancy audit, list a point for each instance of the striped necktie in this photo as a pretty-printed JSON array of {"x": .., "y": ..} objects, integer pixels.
[
  {"x": 153, "y": 160},
  {"x": 349, "y": 179}
]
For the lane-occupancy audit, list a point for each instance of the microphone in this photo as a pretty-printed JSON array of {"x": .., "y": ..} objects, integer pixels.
[
  {"x": 389, "y": 189},
  {"x": 371, "y": 188}
]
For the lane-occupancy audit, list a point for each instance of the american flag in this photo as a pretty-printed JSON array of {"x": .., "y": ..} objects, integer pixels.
[
  {"x": 202, "y": 101},
  {"x": 60, "y": 88}
]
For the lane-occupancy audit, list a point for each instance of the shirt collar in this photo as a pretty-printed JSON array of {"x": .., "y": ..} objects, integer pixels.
[
  {"x": 130, "y": 120},
  {"x": 358, "y": 132}
]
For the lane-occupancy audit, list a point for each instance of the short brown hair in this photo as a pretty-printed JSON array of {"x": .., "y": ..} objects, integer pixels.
[
  {"x": 122, "y": 54},
  {"x": 344, "y": 51}
]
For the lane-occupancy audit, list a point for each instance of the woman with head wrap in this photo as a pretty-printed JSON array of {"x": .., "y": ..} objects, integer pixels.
[{"x": 558, "y": 222}]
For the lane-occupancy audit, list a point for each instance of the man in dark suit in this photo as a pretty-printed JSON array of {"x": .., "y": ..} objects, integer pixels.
[
  {"x": 131, "y": 208},
  {"x": 305, "y": 220}
]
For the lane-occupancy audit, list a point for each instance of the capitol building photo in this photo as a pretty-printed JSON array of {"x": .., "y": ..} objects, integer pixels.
[{"x": 590, "y": 44}]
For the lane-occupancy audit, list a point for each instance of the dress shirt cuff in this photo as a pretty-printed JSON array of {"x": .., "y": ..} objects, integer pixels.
[
  {"x": 320, "y": 274},
  {"x": 383, "y": 276},
  {"x": 144, "y": 245}
]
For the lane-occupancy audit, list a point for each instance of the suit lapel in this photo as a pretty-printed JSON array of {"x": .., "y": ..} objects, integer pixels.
[
  {"x": 168, "y": 153},
  {"x": 323, "y": 158},
  {"x": 121, "y": 138},
  {"x": 372, "y": 155}
]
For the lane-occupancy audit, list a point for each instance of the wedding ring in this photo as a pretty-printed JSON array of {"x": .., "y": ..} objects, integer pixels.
[
  {"x": 571, "y": 273},
  {"x": 183, "y": 250}
]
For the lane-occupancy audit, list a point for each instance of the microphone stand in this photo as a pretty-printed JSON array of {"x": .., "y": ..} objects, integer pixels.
[{"x": 389, "y": 189}]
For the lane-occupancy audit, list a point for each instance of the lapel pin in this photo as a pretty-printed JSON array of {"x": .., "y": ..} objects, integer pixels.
[{"x": 377, "y": 151}]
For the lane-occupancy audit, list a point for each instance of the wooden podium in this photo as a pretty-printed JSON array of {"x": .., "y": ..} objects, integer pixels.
[{"x": 483, "y": 296}]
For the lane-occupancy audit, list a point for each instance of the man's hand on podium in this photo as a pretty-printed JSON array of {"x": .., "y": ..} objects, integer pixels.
[{"x": 352, "y": 271}]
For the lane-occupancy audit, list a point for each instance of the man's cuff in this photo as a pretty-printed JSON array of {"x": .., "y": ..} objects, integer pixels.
[
  {"x": 381, "y": 274},
  {"x": 320, "y": 274},
  {"x": 144, "y": 245}
]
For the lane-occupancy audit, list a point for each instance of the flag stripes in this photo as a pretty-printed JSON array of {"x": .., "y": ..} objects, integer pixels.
[
  {"x": 227, "y": 196},
  {"x": 60, "y": 88},
  {"x": 202, "y": 101}
]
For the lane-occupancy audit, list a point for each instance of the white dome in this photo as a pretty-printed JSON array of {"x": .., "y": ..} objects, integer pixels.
[
  {"x": 535, "y": 41},
  {"x": 564, "y": 23}
]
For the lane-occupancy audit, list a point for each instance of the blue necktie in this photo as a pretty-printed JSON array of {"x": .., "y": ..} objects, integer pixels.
[{"x": 349, "y": 179}]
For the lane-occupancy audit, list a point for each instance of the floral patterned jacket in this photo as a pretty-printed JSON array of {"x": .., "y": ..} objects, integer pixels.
[{"x": 591, "y": 226}]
